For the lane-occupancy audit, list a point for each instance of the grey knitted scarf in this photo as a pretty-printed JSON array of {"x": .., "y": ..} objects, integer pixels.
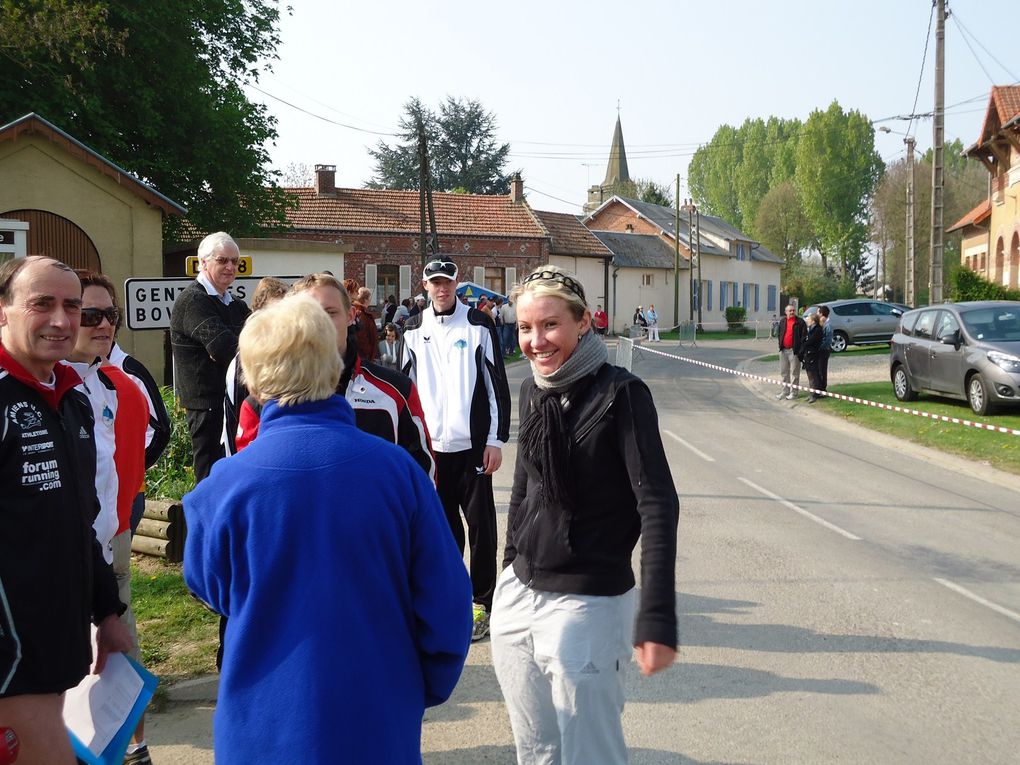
[
  {"x": 543, "y": 437},
  {"x": 587, "y": 357}
]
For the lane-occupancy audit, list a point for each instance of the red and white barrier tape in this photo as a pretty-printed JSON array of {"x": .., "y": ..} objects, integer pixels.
[{"x": 840, "y": 396}]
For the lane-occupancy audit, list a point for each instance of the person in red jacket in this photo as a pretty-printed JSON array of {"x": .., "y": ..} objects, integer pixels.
[
  {"x": 792, "y": 330},
  {"x": 601, "y": 321}
]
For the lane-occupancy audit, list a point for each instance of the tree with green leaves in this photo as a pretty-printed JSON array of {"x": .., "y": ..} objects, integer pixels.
[
  {"x": 837, "y": 171},
  {"x": 731, "y": 174},
  {"x": 782, "y": 226},
  {"x": 712, "y": 175},
  {"x": 965, "y": 186},
  {"x": 462, "y": 146},
  {"x": 157, "y": 88}
]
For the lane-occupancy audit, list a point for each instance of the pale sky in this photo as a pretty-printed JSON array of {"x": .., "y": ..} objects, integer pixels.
[{"x": 553, "y": 72}]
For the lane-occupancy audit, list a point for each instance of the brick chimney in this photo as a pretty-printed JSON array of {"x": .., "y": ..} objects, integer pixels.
[
  {"x": 325, "y": 180},
  {"x": 516, "y": 188}
]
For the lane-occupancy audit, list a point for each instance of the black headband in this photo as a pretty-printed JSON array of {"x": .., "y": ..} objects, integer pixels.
[{"x": 555, "y": 276}]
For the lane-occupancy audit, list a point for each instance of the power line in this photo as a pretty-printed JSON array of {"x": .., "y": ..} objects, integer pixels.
[
  {"x": 558, "y": 199},
  {"x": 920, "y": 76},
  {"x": 973, "y": 52},
  {"x": 960, "y": 24},
  {"x": 319, "y": 116}
]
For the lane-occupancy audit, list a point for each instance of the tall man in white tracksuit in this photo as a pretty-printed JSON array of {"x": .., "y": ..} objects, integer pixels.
[{"x": 451, "y": 351}]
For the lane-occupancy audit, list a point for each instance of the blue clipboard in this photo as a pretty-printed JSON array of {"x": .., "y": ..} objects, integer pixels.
[{"x": 114, "y": 752}]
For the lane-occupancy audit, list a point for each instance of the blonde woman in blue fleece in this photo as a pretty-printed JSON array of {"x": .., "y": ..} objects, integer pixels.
[{"x": 349, "y": 606}]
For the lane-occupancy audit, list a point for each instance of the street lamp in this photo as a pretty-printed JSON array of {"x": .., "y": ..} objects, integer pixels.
[{"x": 694, "y": 224}]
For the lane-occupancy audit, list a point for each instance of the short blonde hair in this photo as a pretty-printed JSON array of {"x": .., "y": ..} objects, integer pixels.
[
  {"x": 288, "y": 352},
  {"x": 550, "y": 280}
]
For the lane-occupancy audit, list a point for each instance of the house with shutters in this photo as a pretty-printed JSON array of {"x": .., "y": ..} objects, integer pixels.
[
  {"x": 991, "y": 231},
  {"x": 735, "y": 270}
]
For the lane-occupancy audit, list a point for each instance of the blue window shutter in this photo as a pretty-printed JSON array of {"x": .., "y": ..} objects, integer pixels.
[{"x": 709, "y": 293}]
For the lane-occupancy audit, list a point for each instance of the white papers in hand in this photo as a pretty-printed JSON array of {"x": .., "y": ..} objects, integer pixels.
[{"x": 99, "y": 706}]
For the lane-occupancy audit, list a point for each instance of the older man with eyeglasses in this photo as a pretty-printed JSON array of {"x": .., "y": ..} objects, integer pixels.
[
  {"x": 204, "y": 328},
  {"x": 451, "y": 351}
]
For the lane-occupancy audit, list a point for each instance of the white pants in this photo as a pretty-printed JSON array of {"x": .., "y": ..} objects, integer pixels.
[
  {"x": 560, "y": 661},
  {"x": 653, "y": 332}
]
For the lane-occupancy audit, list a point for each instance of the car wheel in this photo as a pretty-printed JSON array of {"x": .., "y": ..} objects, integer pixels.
[
  {"x": 839, "y": 342},
  {"x": 977, "y": 395},
  {"x": 901, "y": 385}
]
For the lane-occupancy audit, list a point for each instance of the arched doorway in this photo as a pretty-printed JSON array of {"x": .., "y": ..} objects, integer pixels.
[{"x": 56, "y": 236}]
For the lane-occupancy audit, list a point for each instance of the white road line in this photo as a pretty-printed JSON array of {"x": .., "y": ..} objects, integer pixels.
[
  {"x": 978, "y": 599},
  {"x": 801, "y": 510},
  {"x": 690, "y": 446}
]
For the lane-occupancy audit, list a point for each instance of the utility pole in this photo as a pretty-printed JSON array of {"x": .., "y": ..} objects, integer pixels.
[
  {"x": 429, "y": 237},
  {"x": 935, "y": 264},
  {"x": 697, "y": 257},
  {"x": 676, "y": 258},
  {"x": 908, "y": 289}
]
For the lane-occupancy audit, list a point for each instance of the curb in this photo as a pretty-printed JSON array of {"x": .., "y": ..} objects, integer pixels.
[{"x": 197, "y": 689}]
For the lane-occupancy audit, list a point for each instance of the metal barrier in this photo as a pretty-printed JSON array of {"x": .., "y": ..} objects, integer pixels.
[{"x": 625, "y": 352}]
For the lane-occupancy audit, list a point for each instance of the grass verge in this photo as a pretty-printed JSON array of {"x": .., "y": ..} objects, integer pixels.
[
  {"x": 178, "y": 635},
  {"x": 999, "y": 450}
]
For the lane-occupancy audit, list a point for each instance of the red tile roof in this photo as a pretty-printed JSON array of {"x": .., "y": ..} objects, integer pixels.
[
  {"x": 978, "y": 215},
  {"x": 397, "y": 211},
  {"x": 570, "y": 237},
  {"x": 1003, "y": 105}
]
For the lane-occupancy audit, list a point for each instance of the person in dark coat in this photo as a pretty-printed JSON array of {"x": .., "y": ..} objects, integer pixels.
[
  {"x": 810, "y": 354},
  {"x": 204, "y": 327}
]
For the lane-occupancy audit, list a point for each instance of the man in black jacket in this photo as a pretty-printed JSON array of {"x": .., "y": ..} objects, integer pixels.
[
  {"x": 204, "y": 328},
  {"x": 53, "y": 578},
  {"x": 792, "y": 330}
]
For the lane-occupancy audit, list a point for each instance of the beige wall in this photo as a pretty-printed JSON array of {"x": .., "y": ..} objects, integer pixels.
[
  {"x": 1005, "y": 222},
  {"x": 127, "y": 232},
  {"x": 753, "y": 272}
]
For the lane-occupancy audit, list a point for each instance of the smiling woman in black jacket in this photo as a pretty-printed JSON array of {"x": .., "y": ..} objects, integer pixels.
[{"x": 591, "y": 478}]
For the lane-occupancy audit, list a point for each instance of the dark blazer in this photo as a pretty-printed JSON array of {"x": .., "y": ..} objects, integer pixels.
[
  {"x": 799, "y": 332},
  {"x": 203, "y": 336}
]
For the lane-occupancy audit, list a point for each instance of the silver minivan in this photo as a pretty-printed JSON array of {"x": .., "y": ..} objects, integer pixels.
[
  {"x": 969, "y": 351},
  {"x": 859, "y": 321}
]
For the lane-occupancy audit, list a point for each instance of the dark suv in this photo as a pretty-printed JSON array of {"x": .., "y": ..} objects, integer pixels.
[
  {"x": 969, "y": 351},
  {"x": 859, "y": 321}
]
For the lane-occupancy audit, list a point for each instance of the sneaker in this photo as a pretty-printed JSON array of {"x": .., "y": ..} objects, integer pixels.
[
  {"x": 481, "y": 626},
  {"x": 138, "y": 757},
  {"x": 812, "y": 399},
  {"x": 791, "y": 396},
  {"x": 782, "y": 395}
]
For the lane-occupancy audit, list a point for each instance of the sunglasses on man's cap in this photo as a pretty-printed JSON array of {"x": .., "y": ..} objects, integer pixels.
[{"x": 436, "y": 268}]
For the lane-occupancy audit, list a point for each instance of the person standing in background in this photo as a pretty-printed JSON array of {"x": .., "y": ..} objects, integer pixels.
[
  {"x": 791, "y": 337},
  {"x": 653, "y": 324},
  {"x": 204, "y": 327},
  {"x": 452, "y": 353},
  {"x": 826, "y": 350},
  {"x": 508, "y": 314}
]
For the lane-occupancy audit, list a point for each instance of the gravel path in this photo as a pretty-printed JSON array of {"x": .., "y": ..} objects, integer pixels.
[{"x": 842, "y": 369}]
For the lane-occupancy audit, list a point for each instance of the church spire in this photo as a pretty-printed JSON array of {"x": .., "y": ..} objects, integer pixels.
[{"x": 616, "y": 172}]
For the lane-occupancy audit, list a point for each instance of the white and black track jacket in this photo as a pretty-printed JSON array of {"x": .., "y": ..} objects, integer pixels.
[{"x": 454, "y": 360}]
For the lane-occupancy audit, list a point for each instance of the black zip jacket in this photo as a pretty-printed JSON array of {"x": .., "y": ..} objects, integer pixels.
[
  {"x": 799, "y": 332},
  {"x": 203, "y": 337},
  {"x": 53, "y": 579},
  {"x": 622, "y": 488}
]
